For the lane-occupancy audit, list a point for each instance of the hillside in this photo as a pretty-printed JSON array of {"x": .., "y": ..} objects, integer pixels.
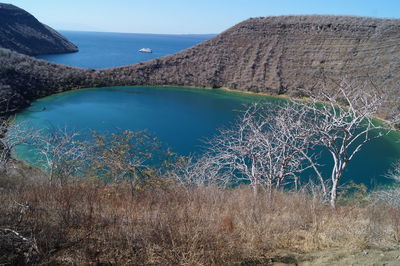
[
  {"x": 276, "y": 55},
  {"x": 22, "y": 32},
  {"x": 282, "y": 54}
]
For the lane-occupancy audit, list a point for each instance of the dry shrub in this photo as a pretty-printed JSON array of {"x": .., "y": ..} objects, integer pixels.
[{"x": 94, "y": 222}]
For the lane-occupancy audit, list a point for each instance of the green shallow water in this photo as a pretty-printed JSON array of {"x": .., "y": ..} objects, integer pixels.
[{"x": 180, "y": 117}]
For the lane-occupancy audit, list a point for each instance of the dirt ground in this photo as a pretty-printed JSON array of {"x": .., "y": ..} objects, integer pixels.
[{"x": 374, "y": 256}]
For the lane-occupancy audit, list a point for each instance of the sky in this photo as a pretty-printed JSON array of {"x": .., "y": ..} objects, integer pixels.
[{"x": 187, "y": 16}]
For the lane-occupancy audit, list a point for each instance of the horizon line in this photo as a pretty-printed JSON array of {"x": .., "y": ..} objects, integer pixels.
[{"x": 147, "y": 33}]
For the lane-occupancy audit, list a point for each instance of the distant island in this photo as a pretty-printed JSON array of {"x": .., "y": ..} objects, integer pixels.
[
  {"x": 23, "y": 33},
  {"x": 291, "y": 55}
]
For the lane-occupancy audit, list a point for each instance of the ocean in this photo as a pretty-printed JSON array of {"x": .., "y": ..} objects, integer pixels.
[{"x": 100, "y": 50}]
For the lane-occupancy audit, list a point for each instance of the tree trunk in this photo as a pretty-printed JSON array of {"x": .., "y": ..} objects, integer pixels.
[{"x": 333, "y": 194}]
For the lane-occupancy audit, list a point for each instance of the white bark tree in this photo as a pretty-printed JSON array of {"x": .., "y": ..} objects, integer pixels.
[
  {"x": 198, "y": 172},
  {"x": 13, "y": 134},
  {"x": 342, "y": 121},
  {"x": 391, "y": 195},
  {"x": 269, "y": 147},
  {"x": 61, "y": 154}
]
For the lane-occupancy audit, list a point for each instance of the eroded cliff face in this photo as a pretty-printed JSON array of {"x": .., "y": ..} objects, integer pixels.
[
  {"x": 22, "y": 32},
  {"x": 278, "y": 55},
  {"x": 282, "y": 55}
]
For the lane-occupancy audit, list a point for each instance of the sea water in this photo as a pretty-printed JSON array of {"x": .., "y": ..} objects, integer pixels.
[{"x": 105, "y": 49}]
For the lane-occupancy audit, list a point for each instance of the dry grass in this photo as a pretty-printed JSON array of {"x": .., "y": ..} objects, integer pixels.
[{"x": 92, "y": 222}]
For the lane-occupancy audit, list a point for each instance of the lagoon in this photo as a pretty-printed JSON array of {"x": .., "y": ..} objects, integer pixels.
[{"x": 182, "y": 119}]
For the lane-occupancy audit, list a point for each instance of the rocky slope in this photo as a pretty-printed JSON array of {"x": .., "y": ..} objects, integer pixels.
[
  {"x": 282, "y": 54},
  {"x": 22, "y": 32},
  {"x": 24, "y": 78},
  {"x": 277, "y": 55}
]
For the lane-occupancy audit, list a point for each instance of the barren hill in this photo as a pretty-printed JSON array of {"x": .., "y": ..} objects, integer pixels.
[
  {"x": 281, "y": 54},
  {"x": 277, "y": 55},
  {"x": 22, "y": 32}
]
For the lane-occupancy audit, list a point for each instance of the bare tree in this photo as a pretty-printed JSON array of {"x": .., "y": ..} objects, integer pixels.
[
  {"x": 342, "y": 121},
  {"x": 394, "y": 173},
  {"x": 196, "y": 172},
  {"x": 13, "y": 134},
  {"x": 61, "y": 154},
  {"x": 391, "y": 195},
  {"x": 268, "y": 147},
  {"x": 124, "y": 156},
  {"x": 290, "y": 128}
]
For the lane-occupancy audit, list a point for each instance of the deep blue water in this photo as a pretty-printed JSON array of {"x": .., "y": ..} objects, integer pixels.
[{"x": 104, "y": 49}]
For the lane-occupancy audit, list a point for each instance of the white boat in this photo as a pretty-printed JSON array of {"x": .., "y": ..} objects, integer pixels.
[{"x": 145, "y": 50}]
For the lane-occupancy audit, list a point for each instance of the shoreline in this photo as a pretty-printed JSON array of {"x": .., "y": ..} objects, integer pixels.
[
  {"x": 221, "y": 89},
  {"x": 392, "y": 136}
]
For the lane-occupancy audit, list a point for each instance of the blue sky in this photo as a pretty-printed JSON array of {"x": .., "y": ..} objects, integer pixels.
[{"x": 187, "y": 16}]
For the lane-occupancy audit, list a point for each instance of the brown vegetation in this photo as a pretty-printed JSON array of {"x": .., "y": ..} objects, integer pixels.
[
  {"x": 170, "y": 216},
  {"x": 91, "y": 222}
]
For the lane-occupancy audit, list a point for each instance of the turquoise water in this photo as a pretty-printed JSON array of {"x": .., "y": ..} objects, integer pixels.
[
  {"x": 182, "y": 118},
  {"x": 105, "y": 49}
]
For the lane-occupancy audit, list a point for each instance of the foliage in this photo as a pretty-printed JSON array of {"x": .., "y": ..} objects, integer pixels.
[
  {"x": 13, "y": 134},
  {"x": 390, "y": 195},
  {"x": 267, "y": 148},
  {"x": 178, "y": 226},
  {"x": 127, "y": 156},
  {"x": 61, "y": 154},
  {"x": 271, "y": 147},
  {"x": 353, "y": 194}
]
